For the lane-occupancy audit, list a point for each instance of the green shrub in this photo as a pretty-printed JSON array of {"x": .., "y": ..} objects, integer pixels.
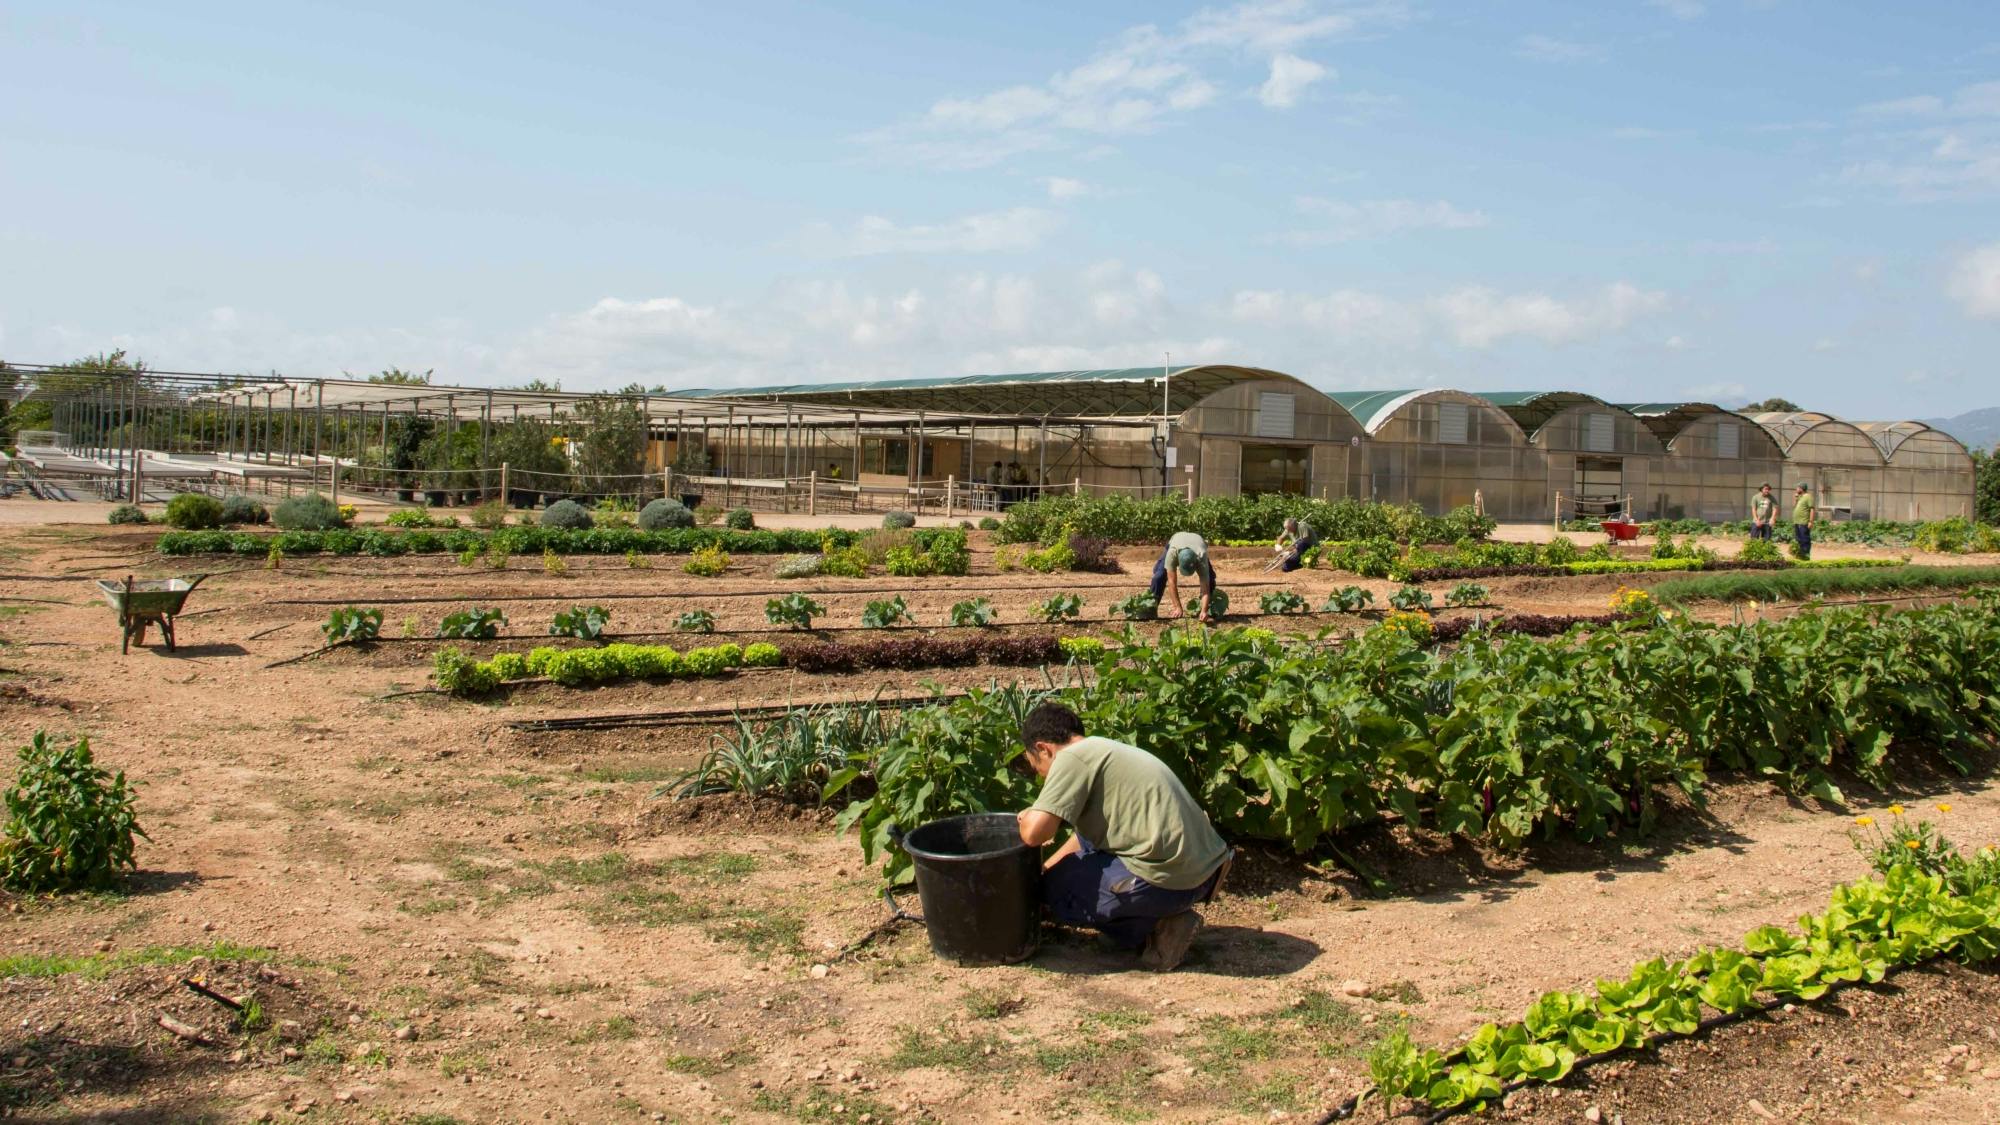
[
  {"x": 844, "y": 562},
  {"x": 567, "y": 514},
  {"x": 489, "y": 516},
  {"x": 584, "y": 622},
  {"x": 192, "y": 511},
  {"x": 1560, "y": 550},
  {"x": 351, "y": 625},
  {"x": 1759, "y": 550},
  {"x": 1050, "y": 560},
  {"x": 907, "y": 562},
  {"x": 1060, "y": 608},
  {"x": 472, "y": 624},
  {"x": 1282, "y": 601},
  {"x": 977, "y": 611},
  {"x": 739, "y": 519},
  {"x": 695, "y": 621},
  {"x": 1218, "y": 603},
  {"x": 408, "y": 517},
  {"x": 70, "y": 822},
  {"x": 709, "y": 562},
  {"x": 794, "y": 610},
  {"x": 1220, "y": 519},
  {"x": 1138, "y": 607},
  {"x": 1466, "y": 594},
  {"x": 240, "y": 509},
  {"x": 895, "y": 521},
  {"x": 947, "y": 548},
  {"x": 1410, "y": 598},
  {"x": 128, "y": 513},
  {"x": 884, "y": 613},
  {"x": 311, "y": 512},
  {"x": 1348, "y": 599},
  {"x": 458, "y": 672},
  {"x": 763, "y": 655},
  {"x": 988, "y": 523},
  {"x": 659, "y": 515}
]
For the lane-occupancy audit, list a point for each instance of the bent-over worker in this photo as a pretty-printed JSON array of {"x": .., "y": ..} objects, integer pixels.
[
  {"x": 1186, "y": 553},
  {"x": 1141, "y": 853},
  {"x": 1294, "y": 542}
]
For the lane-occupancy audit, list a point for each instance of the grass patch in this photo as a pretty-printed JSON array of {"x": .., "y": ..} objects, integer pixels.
[
  {"x": 92, "y": 966},
  {"x": 992, "y": 1004},
  {"x": 917, "y": 1048},
  {"x": 1800, "y": 584},
  {"x": 1322, "y": 1012},
  {"x": 1118, "y": 1019},
  {"x": 1227, "y": 1044},
  {"x": 617, "y": 1029},
  {"x": 819, "y": 1107}
]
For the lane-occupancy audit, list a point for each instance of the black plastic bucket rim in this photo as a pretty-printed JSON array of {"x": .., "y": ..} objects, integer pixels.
[{"x": 928, "y": 856}]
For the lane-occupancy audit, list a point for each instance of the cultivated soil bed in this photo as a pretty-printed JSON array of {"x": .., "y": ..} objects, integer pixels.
[{"x": 444, "y": 917}]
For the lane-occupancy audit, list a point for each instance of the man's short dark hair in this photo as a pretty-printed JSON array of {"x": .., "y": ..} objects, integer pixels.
[{"x": 1050, "y": 722}]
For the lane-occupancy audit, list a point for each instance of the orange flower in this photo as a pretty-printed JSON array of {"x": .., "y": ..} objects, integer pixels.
[{"x": 1864, "y": 821}]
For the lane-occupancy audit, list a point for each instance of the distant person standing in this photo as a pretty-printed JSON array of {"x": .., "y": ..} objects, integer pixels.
[
  {"x": 1763, "y": 512},
  {"x": 1017, "y": 482},
  {"x": 993, "y": 478},
  {"x": 1803, "y": 514},
  {"x": 833, "y": 470}
]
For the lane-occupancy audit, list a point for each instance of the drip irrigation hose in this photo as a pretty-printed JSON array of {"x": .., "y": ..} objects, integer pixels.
[{"x": 896, "y": 909}]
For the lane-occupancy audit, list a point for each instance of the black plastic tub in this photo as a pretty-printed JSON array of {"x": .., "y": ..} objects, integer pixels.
[{"x": 981, "y": 888}]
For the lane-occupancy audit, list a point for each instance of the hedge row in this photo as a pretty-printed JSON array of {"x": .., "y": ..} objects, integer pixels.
[{"x": 512, "y": 540}]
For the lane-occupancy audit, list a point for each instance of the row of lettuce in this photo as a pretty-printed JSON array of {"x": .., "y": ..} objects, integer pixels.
[
  {"x": 1908, "y": 916},
  {"x": 1288, "y": 741},
  {"x": 1952, "y": 535}
]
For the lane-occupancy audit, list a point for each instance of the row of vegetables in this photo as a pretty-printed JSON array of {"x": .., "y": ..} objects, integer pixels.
[
  {"x": 1287, "y": 741},
  {"x": 1872, "y": 926}
]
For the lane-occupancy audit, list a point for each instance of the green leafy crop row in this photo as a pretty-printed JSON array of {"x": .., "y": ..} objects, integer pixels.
[
  {"x": 1287, "y": 741},
  {"x": 1872, "y": 926},
  {"x": 460, "y": 674},
  {"x": 1773, "y": 585},
  {"x": 504, "y": 541}
]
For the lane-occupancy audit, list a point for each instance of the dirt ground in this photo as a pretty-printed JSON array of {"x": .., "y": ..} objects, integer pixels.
[{"x": 444, "y": 918}]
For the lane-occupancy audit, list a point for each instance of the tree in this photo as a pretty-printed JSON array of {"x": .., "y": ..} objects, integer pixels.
[
  {"x": 397, "y": 377},
  {"x": 1986, "y": 485},
  {"x": 608, "y": 442},
  {"x": 1773, "y": 405},
  {"x": 541, "y": 386}
]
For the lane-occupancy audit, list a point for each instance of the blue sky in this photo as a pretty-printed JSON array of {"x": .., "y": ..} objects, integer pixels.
[{"x": 1715, "y": 199}]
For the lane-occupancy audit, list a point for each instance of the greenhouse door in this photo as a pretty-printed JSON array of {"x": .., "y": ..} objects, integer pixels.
[
  {"x": 1276, "y": 468},
  {"x": 1600, "y": 485}
]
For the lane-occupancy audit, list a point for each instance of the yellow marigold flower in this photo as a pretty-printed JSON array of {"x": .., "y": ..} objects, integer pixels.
[
  {"x": 1944, "y": 808},
  {"x": 1895, "y": 810},
  {"x": 1864, "y": 821},
  {"x": 1911, "y": 844}
]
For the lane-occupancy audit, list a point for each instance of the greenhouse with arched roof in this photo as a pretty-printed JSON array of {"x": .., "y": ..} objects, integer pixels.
[
  {"x": 1842, "y": 462},
  {"x": 1441, "y": 449},
  {"x": 1714, "y": 460}
]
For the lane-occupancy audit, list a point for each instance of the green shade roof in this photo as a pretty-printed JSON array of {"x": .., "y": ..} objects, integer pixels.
[
  {"x": 1668, "y": 419},
  {"x": 1530, "y": 409},
  {"x": 1370, "y": 408},
  {"x": 1113, "y": 392}
]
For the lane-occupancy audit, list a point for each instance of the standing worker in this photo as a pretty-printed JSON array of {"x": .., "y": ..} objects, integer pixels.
[
  {"x": 1186, "y": 553},
  {"x": 1763, "y": 512},
  {"x": 1803, "y": 513},
  {"x": 1141, "y": 853}
]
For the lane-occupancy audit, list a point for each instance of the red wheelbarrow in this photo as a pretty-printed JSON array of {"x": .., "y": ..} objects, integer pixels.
[{"x": 1620, "y": 531}]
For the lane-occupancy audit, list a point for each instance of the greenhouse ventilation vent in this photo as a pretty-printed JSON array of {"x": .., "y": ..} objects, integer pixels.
[{"x": 1275, "y": 414}]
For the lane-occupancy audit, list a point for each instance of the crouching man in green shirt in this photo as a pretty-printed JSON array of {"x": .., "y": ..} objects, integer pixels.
[{"x": 1141, "y": 854}]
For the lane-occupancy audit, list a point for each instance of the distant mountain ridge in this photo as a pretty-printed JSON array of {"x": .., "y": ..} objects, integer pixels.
[{"x": 1978, "y": 429}]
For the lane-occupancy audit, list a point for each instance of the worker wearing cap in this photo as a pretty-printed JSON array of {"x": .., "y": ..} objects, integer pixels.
[
  {"x": 1803, "y": 512},
  {"x": 1186, "y": 553}
]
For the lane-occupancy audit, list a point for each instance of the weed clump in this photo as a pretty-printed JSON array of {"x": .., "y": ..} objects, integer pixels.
[{"x": 311, "y": 512}]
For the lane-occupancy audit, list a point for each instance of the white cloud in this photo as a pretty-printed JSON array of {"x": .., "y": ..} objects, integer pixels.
[
  {"x": 1136, "y": 82},
  {"x": 1924, "y": 105},
  {"x": 1473, "y": 317},
  {"x": 1975, "y": 282},
  {"x": 1676, "y": 344},
  {"x": 1549, "y": 49},
  {"x": 1929, "y": 147},
  {"x": 1062, "y": 187},
  {"x": 1721, "y": 393},
  {"x": 1290, "y": 76},
  {"x": 1826, "y": 344},
  {"x": 1343, "y": 221},
  {"x": 1646, "y": 133},
  {"x": 1019, "y": 228},
  {"x": 1479, "y": 317},
  {"x": 1680, "y": 9}
]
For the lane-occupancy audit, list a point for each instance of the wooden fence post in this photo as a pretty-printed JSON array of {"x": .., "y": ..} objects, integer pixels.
[
  {"x": 812, "y": 493},
  {"x": 950, "y": 489},
  {"x": 506, "y": 497}
]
